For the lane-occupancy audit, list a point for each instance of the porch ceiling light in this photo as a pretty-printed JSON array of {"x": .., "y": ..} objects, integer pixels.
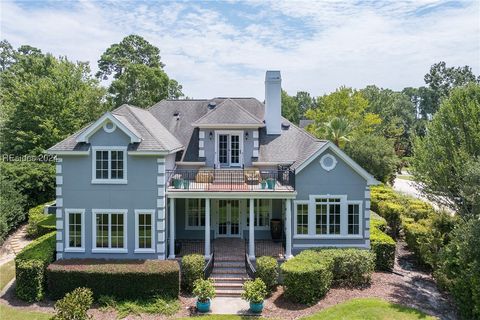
[
  {"x": 246, "y": 135},
  {"x": 210, "y": 135}
]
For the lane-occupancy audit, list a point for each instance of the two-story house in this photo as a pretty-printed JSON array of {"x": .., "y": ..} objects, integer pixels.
[{"x": 136, "y": 182}]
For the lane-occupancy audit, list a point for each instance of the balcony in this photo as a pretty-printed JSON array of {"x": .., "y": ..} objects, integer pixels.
[{"x": 238, "y": 180}]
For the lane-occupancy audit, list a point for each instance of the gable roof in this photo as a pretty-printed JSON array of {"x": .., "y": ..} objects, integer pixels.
[
  {"x": 147, "y": 134},
  {"x": 228, "y": 114},
  {"x": 342, "y": 155}
]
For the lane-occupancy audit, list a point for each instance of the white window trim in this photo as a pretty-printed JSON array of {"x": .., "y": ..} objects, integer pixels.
[
  {"x": 94, "y": 163},
  {"x": 187, "y": 226},
  {"x": 343, "y": 219},
  {"x": 229, "y": 132},
  {"x": 94, "y": 231},
  {"x": 330, "y": 167},
  {"x": 360, "y": 217},
  {"x": 295, "y": 203},
  {"x": 67, "y": 230},
  {"x": 151, "y": 212},
  {"x": 256, "y": 213}
]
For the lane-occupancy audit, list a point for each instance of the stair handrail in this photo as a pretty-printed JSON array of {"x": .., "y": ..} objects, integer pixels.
[
  {"x": 207, "y": 270},
  {"x": 249, "y": 267}
]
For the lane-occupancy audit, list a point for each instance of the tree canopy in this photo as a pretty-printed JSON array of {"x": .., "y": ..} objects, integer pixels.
[{"x": 447, "y": 159}]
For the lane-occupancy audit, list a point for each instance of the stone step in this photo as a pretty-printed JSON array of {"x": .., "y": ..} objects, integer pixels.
[
  {"x": 229, "y": 264},
  {"x": 230, "y": 258},
  {"x": 228, "y": 285},
  {"x": 228, "y": 271},
  {"x": 228, "y": 293},
  {"x": 230, "y": 278}
]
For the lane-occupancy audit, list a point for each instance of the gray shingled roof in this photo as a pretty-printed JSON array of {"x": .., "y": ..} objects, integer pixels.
[
  {"x": 228, "y": 112},
  {"x": 142, "y": 123}
]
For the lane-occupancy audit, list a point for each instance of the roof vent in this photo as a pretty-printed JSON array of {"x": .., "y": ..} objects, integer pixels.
[
  {"x": 176, "y": 114},
  {"x": 285, "y": 125},
  {"x": 212, "y": 105}
]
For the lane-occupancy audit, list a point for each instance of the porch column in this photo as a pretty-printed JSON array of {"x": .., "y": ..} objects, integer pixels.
[
  {"x": 288, "y": 235},
  {"x": 207, "y": 228},
  {"x": 171, "y": 207},
  {"x": 251, "y": 232}
]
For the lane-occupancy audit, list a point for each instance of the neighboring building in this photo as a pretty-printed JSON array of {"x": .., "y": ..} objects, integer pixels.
[{"x": 136, "y": 182}]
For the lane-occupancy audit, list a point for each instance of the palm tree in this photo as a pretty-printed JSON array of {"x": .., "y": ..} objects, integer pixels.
[{"x": 337, "y": 130}]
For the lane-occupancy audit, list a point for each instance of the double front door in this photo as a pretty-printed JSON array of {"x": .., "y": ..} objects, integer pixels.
[
  {"x": 229, "y": 150},
  {"x": 228, "y": 218}
]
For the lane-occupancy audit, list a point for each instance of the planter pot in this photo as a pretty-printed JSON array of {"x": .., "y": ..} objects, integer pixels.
[
  {"x": 186, "y": 184},
  {"x": 263, "y": 184},
  {"x": 271, "y": 183},
  {"x": 177, "y": 183},
  {"x": 256, "y": 307},
  {"x": 203, "y": 306}
]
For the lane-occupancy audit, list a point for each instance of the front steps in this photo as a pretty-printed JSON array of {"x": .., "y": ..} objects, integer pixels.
[{"x": 229, "y": 271}]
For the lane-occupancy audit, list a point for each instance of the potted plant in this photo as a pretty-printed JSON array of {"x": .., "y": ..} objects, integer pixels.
[
  {"x": 271, "y": 183},
  {"x": 177, "y": 181},
  {"x": 255, "y": 291},
  {"x": 263, "y": 184},
  {"x": 186, "y": 184},
  {"x": 204, "y": 290}
]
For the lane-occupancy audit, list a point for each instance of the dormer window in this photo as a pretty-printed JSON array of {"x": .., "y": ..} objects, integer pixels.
[{"x": 109, "y": 165}]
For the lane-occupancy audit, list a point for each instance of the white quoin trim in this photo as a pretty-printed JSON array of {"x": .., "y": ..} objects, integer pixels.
[{"x": 84, "y": 137}]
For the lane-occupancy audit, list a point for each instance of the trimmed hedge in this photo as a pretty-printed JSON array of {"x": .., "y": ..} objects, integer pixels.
[
  {"x": 382, "y": 245},
  {"x": 123, "y": 279},
  {"x": 40, "y": 223},
  {"x": 267, "y": 270},
  {"x": 306, "y": 277},
  {"x": 192, "y": 270},
  {"x": 418, "y": 209},
  {"x": 392, "y": 212},
  {"x": 30, "y": 266},
  {"x": 351, "y": 267}
]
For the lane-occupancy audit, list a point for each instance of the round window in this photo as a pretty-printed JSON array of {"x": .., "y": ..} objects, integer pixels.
[
  {"x": 328, "y": 162},
  {"x": 109, "y": 127}
]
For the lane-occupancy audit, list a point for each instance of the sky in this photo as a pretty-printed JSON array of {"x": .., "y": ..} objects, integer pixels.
[{"x": 223, "y": 48}]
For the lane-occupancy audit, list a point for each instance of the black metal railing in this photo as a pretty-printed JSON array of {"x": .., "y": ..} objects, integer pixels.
[
  {"x": 207, "y": 271},
  {"x": 249, "y": 267},
  {"x": 231, "y": 179}
]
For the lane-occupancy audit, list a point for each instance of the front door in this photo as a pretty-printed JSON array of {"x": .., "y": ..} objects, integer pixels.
[
  {"x": 228, "y": 218},
  {"x": 229, "y": 150}
]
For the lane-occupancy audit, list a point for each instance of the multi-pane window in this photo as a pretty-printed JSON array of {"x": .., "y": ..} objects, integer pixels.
[
  {"x": 109, "y": 165},
  {"x": 327, "y": 216},
  {"x": 75, "y": 230},
  {"x": 110, "y": 230},
  {"x": 302, "y": 218},
  {"x": 223, "y": 148},
  {"x": 353, "y": 219},
  {"x": 235, "y": 148},
  {"x": 195, "y": 212},
  {"x": 144, "y": 232},
  {"x": 262, "y": 213}
]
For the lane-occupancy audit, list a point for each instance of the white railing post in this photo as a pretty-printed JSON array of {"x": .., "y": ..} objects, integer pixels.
[
  {"x": 171, "y": 206},
  {"x": 288, "y": 233}
]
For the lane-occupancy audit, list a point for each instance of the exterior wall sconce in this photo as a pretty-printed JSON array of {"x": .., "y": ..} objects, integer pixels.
[
  {"x": 246, "y": 135},
  {"x": 210, "y": 135}
]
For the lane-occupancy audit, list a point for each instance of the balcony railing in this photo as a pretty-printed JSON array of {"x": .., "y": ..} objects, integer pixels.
[{"x": 230, "y": 180}]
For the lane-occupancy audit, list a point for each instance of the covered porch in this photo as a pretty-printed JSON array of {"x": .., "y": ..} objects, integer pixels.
[{"x": 200, "y": 223}]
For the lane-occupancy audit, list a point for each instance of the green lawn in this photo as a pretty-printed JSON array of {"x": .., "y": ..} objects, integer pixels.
[
  {"x": 7, "y": 273},
  {"x": 16, "y": 314},
  {"x": 404, "y": 177}
]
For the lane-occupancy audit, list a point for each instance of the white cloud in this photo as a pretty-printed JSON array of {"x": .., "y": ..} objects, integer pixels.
[{"x": 317, "y": 45}]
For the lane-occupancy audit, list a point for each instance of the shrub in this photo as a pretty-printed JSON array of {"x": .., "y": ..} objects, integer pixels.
[
  {"x": 392, "y": 212},
  {"x": 30, "y": 266},
  {"x": 459, "y": 268},
  {"x": 379, "y": 194},
  {"x": 124, "y": 279},
  {"x": 39, "y": 223},
  {"x": 383, "y": 246},
  {"x": 74, "y": 305},
  {"x": 203, "y": 289},
  {"x": 192, "y": 269},
  {"x": 11, "y": 207},
  {"x": 418, "y": 209},
  {"x": 267, "y": 270},
  {"x": 306, "y": 278},
  {"x": 351, "y": 267},
  {"x": 254, "y": 291}
]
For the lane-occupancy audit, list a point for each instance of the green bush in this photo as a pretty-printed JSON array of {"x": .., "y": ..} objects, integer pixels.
[
  {"x": 459, "y": 268},
  {"x": 30, "y": 266},
  {"x": 418, "y": 209},
  {"x": 351, "y": 267},
  {"x": 382, "y": 245},
  {"x": 267, "y": 270},
  {"x": 306, "y": 278},
  {"x": 11, "y": 207},
  {"x": 392, "y": 212},
  {"x": 124, "y": 279},
  {"x": 192, "y": 270},
  {"x": 381, "y": 193},
  {"x": 39, "y": 223},
  {"x": 254, "y": 291},
  {"x": 203, "y": 289},
  {"x": 74, "y": 305}
]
